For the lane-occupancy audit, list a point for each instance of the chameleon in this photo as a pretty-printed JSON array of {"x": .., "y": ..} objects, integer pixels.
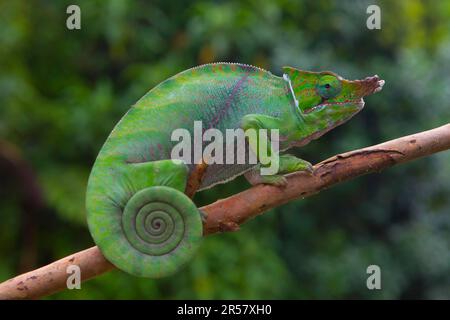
[{"x": 137, "y": 211}]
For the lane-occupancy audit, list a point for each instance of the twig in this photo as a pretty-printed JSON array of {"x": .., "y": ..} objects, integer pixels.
[{"x": 227, "y": 214}]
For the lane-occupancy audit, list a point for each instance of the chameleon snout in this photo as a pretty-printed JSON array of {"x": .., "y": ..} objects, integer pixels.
[
  {"x": 358, "y": 89},
  {"x": 371, "y": 85}
]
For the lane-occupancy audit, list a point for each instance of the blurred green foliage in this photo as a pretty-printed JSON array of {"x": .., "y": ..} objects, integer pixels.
[{"x": 61, "y": 93}]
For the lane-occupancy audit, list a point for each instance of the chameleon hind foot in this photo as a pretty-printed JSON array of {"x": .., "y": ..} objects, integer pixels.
[{"x": 203, "y": 215}]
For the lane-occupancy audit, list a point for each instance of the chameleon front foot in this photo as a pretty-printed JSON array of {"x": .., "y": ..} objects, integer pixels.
[
  {"x": 287, "y": 164},
  {"x": 290, "y": 163}
]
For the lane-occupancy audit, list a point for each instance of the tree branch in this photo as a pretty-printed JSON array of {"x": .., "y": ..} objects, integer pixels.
[{"x": 227, "y": 214}]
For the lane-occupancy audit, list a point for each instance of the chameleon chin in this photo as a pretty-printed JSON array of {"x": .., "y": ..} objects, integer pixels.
[{"x": 137, "y": 211}]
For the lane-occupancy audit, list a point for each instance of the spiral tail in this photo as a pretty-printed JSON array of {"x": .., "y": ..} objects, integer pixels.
[{"x": 160, "y": 231}]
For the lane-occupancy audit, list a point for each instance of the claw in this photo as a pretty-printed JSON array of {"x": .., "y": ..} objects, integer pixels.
[
  {"x": 203, "y": 215},
  {"x": 310, "y": 169},
  {"x": 305, "y": 166}
]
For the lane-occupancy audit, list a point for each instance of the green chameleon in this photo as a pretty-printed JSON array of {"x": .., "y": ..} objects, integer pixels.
[{"x": 137, "y": 211}]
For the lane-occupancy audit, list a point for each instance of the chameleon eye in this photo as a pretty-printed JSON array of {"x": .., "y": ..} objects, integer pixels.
[{"x": 328, "y": 86}]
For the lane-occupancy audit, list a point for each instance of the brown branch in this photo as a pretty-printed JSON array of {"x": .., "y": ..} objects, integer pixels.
[
  {"x": 195, "y": 179},
  {"x": 227, "y": 214}
]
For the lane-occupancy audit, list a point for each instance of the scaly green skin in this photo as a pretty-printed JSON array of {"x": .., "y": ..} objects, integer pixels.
[{"x": 137, "y": 212}]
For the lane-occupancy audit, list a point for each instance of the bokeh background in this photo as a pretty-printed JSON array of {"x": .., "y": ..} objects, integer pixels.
[{"x": 61, "y": 93}]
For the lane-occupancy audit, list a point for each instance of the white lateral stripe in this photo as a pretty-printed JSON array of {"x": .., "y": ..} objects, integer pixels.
[{"x": 286, "y": 78}]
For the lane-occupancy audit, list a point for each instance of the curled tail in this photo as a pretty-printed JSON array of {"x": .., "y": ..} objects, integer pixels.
[{"x": 154, "y": 229}]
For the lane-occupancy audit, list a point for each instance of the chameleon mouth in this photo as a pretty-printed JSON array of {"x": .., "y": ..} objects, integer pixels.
[{"x": 359, "y": 103}]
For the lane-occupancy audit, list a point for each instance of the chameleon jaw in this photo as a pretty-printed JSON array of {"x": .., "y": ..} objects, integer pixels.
[{"x": 358, "y": 102}]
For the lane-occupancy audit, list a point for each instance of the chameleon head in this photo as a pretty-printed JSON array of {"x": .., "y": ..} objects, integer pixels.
[{"x": 326, "y": 100}]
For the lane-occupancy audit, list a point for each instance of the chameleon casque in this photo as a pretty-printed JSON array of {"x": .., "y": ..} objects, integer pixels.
[{"x": 137, "y": 211}]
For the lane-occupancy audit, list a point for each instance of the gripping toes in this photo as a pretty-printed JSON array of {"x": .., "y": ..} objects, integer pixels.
[
  {"x": 254, "y": 177},
  {"x": 287, "y": 164},
  {"x": 290, "y": 163}
]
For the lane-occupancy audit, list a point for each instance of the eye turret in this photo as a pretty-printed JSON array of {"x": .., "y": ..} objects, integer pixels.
[{"x": 328, "y": 86}]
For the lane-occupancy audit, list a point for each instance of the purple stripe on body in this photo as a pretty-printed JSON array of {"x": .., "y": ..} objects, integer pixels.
[{"x": 228, "y": 102}]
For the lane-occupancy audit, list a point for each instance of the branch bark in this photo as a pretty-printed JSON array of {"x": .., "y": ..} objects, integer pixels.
[{"x": 227, "y": 214}]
